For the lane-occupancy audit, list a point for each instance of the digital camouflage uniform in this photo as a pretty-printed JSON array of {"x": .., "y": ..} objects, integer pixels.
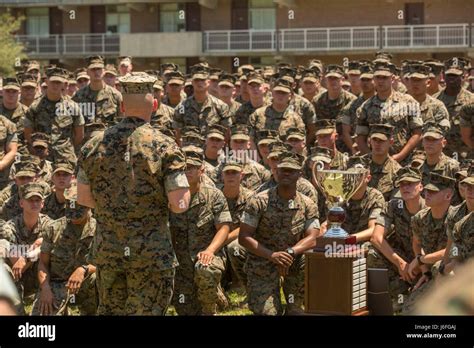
[
  {"x": 11, "y": 206},
  {"x": 358, "y": 213},
  {"x": 349, "y": 112},
  {"x": 399, "y": 110},
  {"x": 303, "y": 186},
  {"x": 53, "y": 208},
  {"x": 463, "y": 238},
  {"x": 243, "y": 113},
  {"x": 254, "y": 174},
  {"x": 163, "y": 117},
  {"x": 212, "y": 111},
  {"x": 396, "y": 220},
  {"x": 57, "y": 119},
  {"x": 8, "y": 135},
  {"x": 16, "y": 233},
  {"x": 233, "y": 108},
  {"x": 466, "y": 120},
  {"x": 304, "y": 108},
  {"x": 383, "y": 176},
  {"x": 279, "y": 224},
  {"x": 431, "y": 233},
  {"x": 455, "y": 214},
  {"x": 433, "y": 110},
  {"x": 332, "y": 109},
  {"x": 454, "y": 104},
  {"x": 130, "y": 168},
  {"x": 196, "y": 286},
  {"x": 67, "y": 245},
  {"x": 237, "y": 254},
  {"x": 446, "y": 166},
  {"x": 17, "y": 116},
  {"x": 267, "y": 118},
  {"x": 100, "y": 108}
]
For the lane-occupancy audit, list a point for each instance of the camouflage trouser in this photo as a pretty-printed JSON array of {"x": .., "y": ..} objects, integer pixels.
[
  {"x": 415, "y": 296},
  {"x": 237, "y": 255},
  {"x": 26, "y": 286},
  {"x": 264, "y": 284},
  {"x": 85, "y": 299},
  {"x": 134, "y": 291},
  {"x": 196, "y": 286},
  {"x": 397, "y": 287}
]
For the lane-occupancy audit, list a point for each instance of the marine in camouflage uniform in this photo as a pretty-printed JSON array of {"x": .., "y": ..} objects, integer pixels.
[
  {"x": 162, "y": 118},
  {"x": 194, "y": 232},
  {"x": 191, "y": 113},
  {"x": 18, "y": 236},
  {"x": 331, "y": 109},
  {"x": 101, "y": 108},
  {"x": 395, "y": 218},
  {"x": 236, "y": 253},
  {"x": 466, "y": 121},
  {"x": 55, "y": 203},
  {"x": 60, "y": 119},
  {"x": 243, "y": 113},
  {"x": 383, "y": 174},
  {"x": 454, "y": 104},
  {"x": 279, "y": 225},
  {"x": 10, "y": 196},
  {"x": 277, "y": 152},
  {"x": 16, "y": 115},
  {"x": 174, "y": 78},
  {"x": 8, "y": 137},
  {"x": 445, "y": 165},
  {"x": 430, "y": 234},
  {"x": 327, "y": 128},
  {"x": 132, "y": 247},
  {"x": 267, "y": 118},
  {"x": 463, "y": 238},
  {"x": 254, "y": 174},
  {"x": 305, "y": 109},
  {"x": 40, "y": 150},
  {"x": 401, "y": 111},
  {"x": 66, "y": 243}
]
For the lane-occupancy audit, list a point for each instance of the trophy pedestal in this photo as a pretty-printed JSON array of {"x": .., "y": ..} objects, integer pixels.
[{"x": 335, "y": 284}]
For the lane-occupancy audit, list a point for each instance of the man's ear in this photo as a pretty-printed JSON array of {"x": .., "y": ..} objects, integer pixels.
[{"x": 155, "y": 104}]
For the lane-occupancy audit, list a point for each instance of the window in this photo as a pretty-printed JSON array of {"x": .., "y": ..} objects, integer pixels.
[
  {"x": 262, "y": 14},
  {"x": 37, "y": 21},
  {"x": 118, "y": 19},
  {"x": 172, "y": 18}
]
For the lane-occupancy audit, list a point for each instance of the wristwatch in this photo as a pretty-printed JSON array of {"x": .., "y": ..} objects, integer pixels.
[
  {"x": 291, "y": 252},
  {"x": 86, "y": 270}
]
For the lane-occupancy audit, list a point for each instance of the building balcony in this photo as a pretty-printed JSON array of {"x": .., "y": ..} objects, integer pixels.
[
  {"x": 70, "y": 45},
  {"x": 335, "y": 39}
]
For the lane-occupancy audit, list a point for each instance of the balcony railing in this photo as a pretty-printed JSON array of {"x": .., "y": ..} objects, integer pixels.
[
  {"x": 318, "y": 39},
  {"x": 341, "y": 38},
  {"x": 239, "y": 40},
  {"x": 71, "y": 44},
  {"x": 418, "y": 36}
]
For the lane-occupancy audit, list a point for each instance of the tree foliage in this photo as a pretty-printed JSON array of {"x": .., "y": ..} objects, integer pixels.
[{"x": 11, "y": 51}]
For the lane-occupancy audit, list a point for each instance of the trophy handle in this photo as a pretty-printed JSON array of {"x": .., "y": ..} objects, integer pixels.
[{"x": 313, "y": 173}]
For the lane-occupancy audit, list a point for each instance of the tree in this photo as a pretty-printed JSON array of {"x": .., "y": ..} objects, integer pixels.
[{"x": 12, "y": 51}]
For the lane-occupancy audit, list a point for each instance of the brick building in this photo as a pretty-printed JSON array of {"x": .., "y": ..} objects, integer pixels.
[{"x": 254, "y": 31}]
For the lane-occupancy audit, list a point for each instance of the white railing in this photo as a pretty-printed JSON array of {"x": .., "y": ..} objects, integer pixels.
[
  {"x": 239, "y": 40},
  {"x": 419, "y": 36},
  {"x": 340, "y": 38},
  {"x": 71, "y": 44},
  {"x": 317, "y": 39}
]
